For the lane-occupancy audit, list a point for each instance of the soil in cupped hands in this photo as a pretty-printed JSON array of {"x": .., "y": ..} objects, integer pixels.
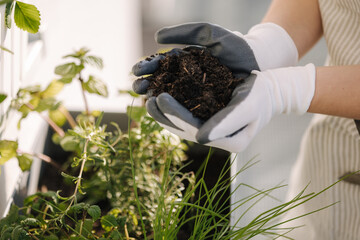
[{"x": 196, "y": 79}]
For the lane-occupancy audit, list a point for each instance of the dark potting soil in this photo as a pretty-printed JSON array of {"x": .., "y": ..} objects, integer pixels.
[{"x": 195, "y": 79}]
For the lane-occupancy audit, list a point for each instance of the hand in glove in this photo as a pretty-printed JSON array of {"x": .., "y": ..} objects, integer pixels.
[
  {"x": 264, "y": 44},
  {"x": 253, "y": 104}
]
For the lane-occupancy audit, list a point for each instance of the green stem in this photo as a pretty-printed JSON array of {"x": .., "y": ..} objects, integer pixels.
[
  {"x": 84, "y": 96},
  {"x": 73, "y": 197},
  {"x": 134, "y": 176}
]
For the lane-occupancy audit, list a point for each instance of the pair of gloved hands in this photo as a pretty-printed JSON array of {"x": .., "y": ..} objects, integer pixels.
[{"x": 271, "y": 87}]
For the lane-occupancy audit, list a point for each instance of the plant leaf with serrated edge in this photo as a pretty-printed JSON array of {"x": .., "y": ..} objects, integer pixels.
[
  {"x": 94, "y": 211},
  {"x": 95, "y": 85},
  {"x": 7, "y": 150},
  {"x": 27, "y": 17},
  {"x": 25, "y": 161},
  {"x": 78, "y": 54},
  {"x": 68, "y": 70},
  {"x": 2, "y": 97},
  {"x": 94, "y": 61}
]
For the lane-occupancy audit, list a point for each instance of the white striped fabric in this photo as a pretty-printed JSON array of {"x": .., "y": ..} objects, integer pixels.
[{"x": 331, "y": 145}]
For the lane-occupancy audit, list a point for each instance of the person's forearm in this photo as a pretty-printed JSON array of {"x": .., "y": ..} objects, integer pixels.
[
  {"x": 300, "y": 18},
  {"x": 337, "y": 91}
]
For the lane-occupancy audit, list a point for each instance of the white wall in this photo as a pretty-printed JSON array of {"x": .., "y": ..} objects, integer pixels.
[{"x": 111, "y": 29}]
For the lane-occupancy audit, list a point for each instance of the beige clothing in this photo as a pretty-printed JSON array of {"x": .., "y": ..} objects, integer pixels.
[{"x": 331, "y": 145}]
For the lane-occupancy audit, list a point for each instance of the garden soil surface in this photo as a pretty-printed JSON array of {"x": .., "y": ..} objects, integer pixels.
[{"x": 195, "y": 79}]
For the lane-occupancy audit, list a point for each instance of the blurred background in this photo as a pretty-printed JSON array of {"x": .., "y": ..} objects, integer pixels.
[{"x": 122, "y": 32}]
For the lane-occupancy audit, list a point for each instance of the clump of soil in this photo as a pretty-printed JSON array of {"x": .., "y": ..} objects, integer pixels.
[{"x": 195, "y": 79}]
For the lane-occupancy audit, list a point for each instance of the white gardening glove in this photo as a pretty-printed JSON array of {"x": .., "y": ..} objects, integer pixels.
[
  {"x": 265, "y": 46},
  {"x": 253, "y": 104}
]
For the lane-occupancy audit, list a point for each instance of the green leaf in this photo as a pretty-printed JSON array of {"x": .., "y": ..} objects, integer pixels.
[
  {"x": 58, "y": 117},
  {"x": 8, "y": 10},
  {"x": 60, "y": 197},
  {"x": 7, "y": 150},
  {"x": 130, "y": 92},
  {"x": 56, "y": 138},
  {"x": 99, "y": 119},
  {"x": 32, "y": 222},
  {"x": 45, "y": 104},
  {"x": 94, "y": 61},
  {"x": 94, "y": 211},
  {"x": 5, "y": 1},
  {"x": 78, "y": 207},
  {"x": 2, "y": 97},
  {"x": 108, "y": 222},
  {"x": 121, "y": 220},
  {"x": 52, "y": 89},
  {"x": 6, "y": 50},
  {"x": 95, "y": 85},
  {"x": 136, "y": 113},
  {"x": 65, "y": 175},
  {"x": 31, "y": 89},
  {"x": 27, "y": 17},
  {"x": 78, "y": 54},
  {"x": 25, "y": 161},
  {"x": 25, "y": 110},
  {"x": 69, "y": 143},
  {"x": 68, "y": 70},
  {"x": 66, "y": 80},
  {"x": 115, "y": 235},
  {"x": 11, "y": 217},
  {"x": 19, "y": 233}
]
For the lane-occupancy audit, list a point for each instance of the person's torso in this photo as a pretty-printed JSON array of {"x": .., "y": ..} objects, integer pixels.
[{"x": 341, "y": 24}]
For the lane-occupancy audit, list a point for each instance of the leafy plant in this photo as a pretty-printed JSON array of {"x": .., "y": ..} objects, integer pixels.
[
  {"x": 26, "y": 16},
  {"x": 125, "y": 185}
]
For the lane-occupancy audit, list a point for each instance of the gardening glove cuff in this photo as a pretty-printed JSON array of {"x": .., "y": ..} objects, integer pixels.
[
  {"x": 255, "y": 102},
  {"x": 291, "y": 89},
  {"x": 272, "y": 46}
]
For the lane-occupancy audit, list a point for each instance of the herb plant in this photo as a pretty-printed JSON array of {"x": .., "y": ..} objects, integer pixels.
[{"x": 125, "y": 184}]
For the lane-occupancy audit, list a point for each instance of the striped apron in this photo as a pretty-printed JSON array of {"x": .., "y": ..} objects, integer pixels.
[{"x": 330, "y": 147}]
